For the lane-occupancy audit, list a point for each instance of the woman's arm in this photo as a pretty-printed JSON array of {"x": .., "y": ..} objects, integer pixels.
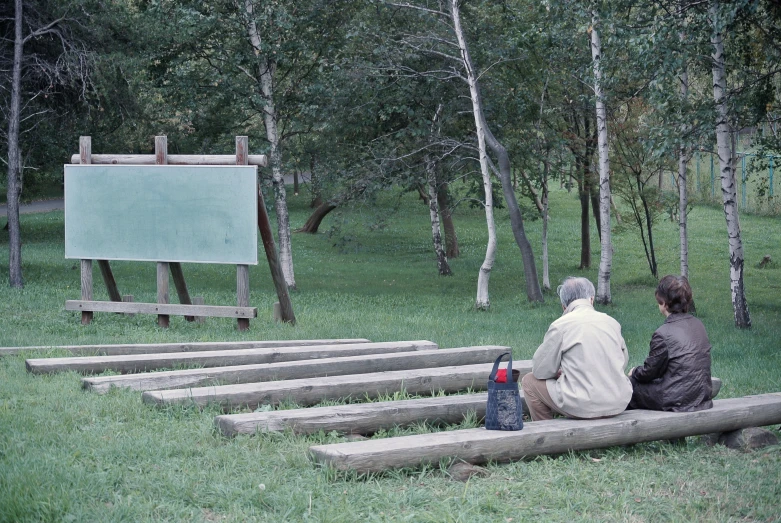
[{"x": 655, "y": 364}]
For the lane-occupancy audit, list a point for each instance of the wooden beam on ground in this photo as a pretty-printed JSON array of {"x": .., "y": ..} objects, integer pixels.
[
  {"x": 365, "y": 418},
  {"x": 311, "y": 391},
  {"x": 157, "y": 348},
  {"x": 296, "y": 369},
  {"x": 147, "y": 362},
  {"x": 357, "y": 418},
  {"x": 173, "y": 159},
  {"x": 162, "y": 309},
  {"x": 548, "y": 437}
]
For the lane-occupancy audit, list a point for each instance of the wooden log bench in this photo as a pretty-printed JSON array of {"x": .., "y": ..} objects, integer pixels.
[
  {"x": 296, "y": 369},
  {"x": 311, "y": 391},
  {"x": 366, "y": 418},
  {"x": 148, "y": 362},
  {"x": 358, "y": 418},
  {"x": 548, "y": 437},
  {"x": 158, "y": 348}
]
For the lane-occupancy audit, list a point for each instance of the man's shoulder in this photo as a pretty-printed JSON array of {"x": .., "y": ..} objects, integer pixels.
[{"x": 585, "y": 315}]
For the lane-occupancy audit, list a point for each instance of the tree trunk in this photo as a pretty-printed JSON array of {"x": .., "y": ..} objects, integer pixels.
[
  {"x": 585, "y": 229},
  {"x": 266, "y": 69},
  {"x": 316, "y": 218},
  {"x": 650, "y": 252},
  {"x": 545, "y": 269},
  {"x": 533, "y": 292},
  {"x": 451, "y": 239},
  {"x": 431, "y": 200},
  {"x": 314, "y": 184},
  {"x": 442, "y": 265},
  {"x": 594, "y": 196},
  {"x": 422, "y": 193},
  {"x": 606, "y": 257},
  {"x": 683, "y": 196},
  {"x": 727, "y": 173},
  {"x": 15, "y": 158},
  {"x": 482, "y": 302}
]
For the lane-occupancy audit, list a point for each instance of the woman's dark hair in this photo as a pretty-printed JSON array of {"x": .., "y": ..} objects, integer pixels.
[{"x": 675, "y": 293}]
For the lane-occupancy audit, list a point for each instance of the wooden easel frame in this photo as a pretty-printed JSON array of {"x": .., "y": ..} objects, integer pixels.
[{"x": 242, "y": 312}]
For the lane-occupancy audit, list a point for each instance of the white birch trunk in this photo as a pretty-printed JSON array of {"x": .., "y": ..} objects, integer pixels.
[
  {"x": 266, "y": 69},
  {"x": 683, "y": 194},
  {"x": 15, "y": 157},
  {"x": 606, "y": 257},
  {"x": 482, "y": 301},
  {"x": 727, "y": 173},
  {"x": 433, "y": 207},
  {"x": 433, "y": 204}
]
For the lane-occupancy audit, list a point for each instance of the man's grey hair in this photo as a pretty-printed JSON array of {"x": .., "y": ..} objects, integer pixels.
[{"x": 575, "y": 288}]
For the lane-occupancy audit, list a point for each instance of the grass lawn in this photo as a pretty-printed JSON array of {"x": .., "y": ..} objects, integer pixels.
[{"x": 68, "y": 455}]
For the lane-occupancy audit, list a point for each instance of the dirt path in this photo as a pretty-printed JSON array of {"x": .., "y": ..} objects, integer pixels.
[{"x": 41, "y": 206}]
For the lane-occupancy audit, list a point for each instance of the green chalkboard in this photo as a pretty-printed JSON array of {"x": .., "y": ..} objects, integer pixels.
[{"x": 172, "y": 213}]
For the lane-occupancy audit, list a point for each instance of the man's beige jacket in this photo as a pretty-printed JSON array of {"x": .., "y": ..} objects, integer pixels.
[{"x": 588, "y": 348}]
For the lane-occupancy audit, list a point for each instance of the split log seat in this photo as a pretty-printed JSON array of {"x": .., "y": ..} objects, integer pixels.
[
  {"x": 358, "y": 418},
  {"x": 366, "y": 418},
  {"x": 548, "y": 437},
  {"x": 148, "y": 362},
  {"x": 311, "y": 391},
  {"x": 156, "y": 348},
  {"x": 296, "y": 369}
]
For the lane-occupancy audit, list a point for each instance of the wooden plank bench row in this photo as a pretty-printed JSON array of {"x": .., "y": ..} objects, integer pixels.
[
  {"x": 167, "y": 309},
  {"x": 548, "y": 437},
  {"x": 148, "y": 362},
  {"x": 296, "y": 369},
  {"x": 311, "y": 391},
  {"x": 157, "y": 348},
  {"x": 365, "y": 418}
]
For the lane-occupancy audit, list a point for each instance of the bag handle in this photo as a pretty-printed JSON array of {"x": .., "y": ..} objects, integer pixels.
[{"x": 492, "y": 376}]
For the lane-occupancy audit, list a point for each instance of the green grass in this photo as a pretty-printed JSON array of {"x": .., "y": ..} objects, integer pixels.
[{"x": 68, "y": 455}]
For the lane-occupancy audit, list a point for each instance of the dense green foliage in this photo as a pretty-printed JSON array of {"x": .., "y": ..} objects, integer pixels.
[{"x": 69, "y": 455}]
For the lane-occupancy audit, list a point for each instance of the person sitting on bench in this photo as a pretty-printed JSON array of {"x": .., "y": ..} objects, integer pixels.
[
  {"x": 676, "y": 375},
  {"x": 579, "y": 369}
]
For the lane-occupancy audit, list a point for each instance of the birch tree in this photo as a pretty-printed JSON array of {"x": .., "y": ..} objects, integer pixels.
[
  {"x": 606, "y": 257},
  {"x": 461, "y": 66},
  {"x": 727, "y": 157},
  {"x": 433, "y": 203},
  {"x": 485, "y": 135},
  {"x": 264, "y": 74}
]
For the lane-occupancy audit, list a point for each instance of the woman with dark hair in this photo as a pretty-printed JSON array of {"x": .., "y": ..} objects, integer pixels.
[{"x": 676, "y": 375}]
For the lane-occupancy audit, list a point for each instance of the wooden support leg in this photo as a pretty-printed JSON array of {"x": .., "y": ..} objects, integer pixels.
[
  {"x": 86, "y": 289},
  {"x": 273, "y": 262},
  {"x": 163, "y": 320},
  {"x": 128, "y": 298},
  {"x": 108, "y": 278},
  {"x": 181, "y": 286},
  {"x": 198, "y": 300},
  {"x": 242, "y": 294}
]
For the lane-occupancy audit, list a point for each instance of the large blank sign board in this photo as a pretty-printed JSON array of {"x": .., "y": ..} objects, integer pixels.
[{"x": 170, "y": 213}]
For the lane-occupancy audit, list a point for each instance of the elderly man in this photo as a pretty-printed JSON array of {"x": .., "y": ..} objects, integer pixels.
[{"x": 578, "y": 371}]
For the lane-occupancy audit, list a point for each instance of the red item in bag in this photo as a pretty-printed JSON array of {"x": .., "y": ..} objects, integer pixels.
[{"x": 501, "y": 375}]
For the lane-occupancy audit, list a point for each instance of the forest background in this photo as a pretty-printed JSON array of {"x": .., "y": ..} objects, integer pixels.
[{"x": 440, "y": 140}]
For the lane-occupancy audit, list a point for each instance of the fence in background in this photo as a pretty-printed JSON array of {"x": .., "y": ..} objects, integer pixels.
[{"x": 759, "y": 187}]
